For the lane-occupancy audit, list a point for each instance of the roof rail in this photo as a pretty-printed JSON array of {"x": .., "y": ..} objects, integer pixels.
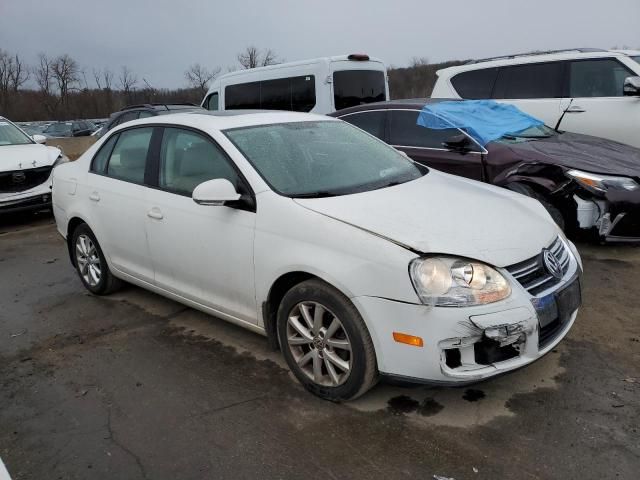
[
  {"x": 151, "y": 105},
  {"x": 531, "y": 54}
]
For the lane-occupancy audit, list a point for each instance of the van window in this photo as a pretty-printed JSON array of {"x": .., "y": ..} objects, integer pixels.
[
  {"x": 597, "y": 78},
  {"x": 212, "y": 102},
  {"x": 538, "y": 80},
  {"x": 357, "y": 87},
  {"x": 296, "y": 94},
  {"x": 476, "y": 84}
]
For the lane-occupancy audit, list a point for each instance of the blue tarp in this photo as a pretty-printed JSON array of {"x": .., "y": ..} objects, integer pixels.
[{"x": 484, "y": 120}]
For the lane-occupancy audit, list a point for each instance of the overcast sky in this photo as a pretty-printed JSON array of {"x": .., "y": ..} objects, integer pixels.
[{"x": 159, "y": 39}]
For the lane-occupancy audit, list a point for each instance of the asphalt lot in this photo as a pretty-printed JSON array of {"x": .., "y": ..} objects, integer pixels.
[{"x": 135, "y": 386}]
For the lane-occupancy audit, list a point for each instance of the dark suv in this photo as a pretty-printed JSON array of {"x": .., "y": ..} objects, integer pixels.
[
  {"x": 75, "y": 128},
  {"x": 133, "y": 112},
  {"x": 586, "y": 183}
]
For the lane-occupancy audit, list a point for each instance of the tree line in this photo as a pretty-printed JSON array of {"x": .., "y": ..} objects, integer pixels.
[{"x": 64, "y": 90}]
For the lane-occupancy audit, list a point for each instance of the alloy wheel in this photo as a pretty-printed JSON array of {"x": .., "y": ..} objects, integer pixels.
[
  {"x": 88, "y": 260},
  {"x": 319, "y": 344}
]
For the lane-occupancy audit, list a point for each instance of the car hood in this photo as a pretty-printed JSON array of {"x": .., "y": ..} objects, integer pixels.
[
  {"x": 23, "y": 157},
  {"x": 444, "y": 214},
  {"x": 582, "y": 152}
]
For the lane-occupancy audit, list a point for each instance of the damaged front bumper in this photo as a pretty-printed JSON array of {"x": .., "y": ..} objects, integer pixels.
[
  {"x": 36, "y": 198},
  {"x": 615, "y": 215},
  {"x": 466, "y": 345}
]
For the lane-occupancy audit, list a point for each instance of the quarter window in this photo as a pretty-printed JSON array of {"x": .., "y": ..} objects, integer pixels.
[
  {"x": 597, "y": 78},
  {"x": 188, "y": 159},
  {"x": 476, "y": 84},
  {"x": 538, "y": 80},
  {"x": 403, "y": 131},
  {"x": 129, "y": 156},
  {"x": 370, "y": 122}
]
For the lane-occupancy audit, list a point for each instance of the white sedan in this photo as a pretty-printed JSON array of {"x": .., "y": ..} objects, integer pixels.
[
  {"x": 354, "y": 261},
  {"x": 25, "y": 169}
]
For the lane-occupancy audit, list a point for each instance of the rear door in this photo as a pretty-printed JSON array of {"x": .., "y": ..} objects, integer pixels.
[
  {"x": 599, "y": 107},
  {"x": 117, "y": 196},
  {"x": 425, "y": 145}
]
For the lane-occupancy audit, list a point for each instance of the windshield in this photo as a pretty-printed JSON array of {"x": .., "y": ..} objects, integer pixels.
[
  {"x": 531, "y": 133},
  {"x": 321, "y": 159},
  {"x": 12, "y": 135},
  {"x": 356, "y": 87}
]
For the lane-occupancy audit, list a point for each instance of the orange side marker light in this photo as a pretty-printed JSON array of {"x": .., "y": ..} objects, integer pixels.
[{"x": 408, "y": 339}]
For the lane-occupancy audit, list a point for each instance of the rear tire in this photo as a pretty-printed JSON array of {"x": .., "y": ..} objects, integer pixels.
[
  {"x": 91, "y": 264},
  {"x": 326, "y": 342},
  {"x": 555, "y": 213}
]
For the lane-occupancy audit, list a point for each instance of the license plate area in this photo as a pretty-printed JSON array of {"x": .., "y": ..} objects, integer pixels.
[{"x": 555, "y": 310}]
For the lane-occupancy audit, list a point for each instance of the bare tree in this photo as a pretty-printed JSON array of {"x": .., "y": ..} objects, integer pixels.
[
  {"x": 20, "y": 73},
  {"x": 199, "y": 77},
  {"x": 253, "y": 57},
  {"x": 43, "y": 73},
  {"x": 128, "y": 80},
  {"x": 107, "y": 77},
  {"x": 97, "y": 78},
  {"x": 66, "y": 74}
]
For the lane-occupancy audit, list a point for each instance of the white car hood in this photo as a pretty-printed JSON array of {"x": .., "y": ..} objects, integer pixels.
[
  {"x": 441, "y": 213},
  {"x": 23, "y": 157}
]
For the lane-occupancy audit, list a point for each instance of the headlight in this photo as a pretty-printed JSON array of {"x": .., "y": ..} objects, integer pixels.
[
  {"x": 59, "y": 160},
  {"x": 453, "y": 282},
  {"x": 601, "y": 183}
]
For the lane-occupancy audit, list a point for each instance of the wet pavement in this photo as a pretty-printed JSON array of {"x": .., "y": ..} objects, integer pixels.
[{"x": 137, "y": 386}]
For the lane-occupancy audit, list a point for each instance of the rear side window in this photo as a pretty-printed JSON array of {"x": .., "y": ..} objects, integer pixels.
[
  {"x": 99, "y": 161},
  {"x": 357, "y": 87},
  {"x": 597, "y": 78},
  {"x": 129, "y": 156},
  {"x": 539, "y": 80},
  {"x": 476, "y": 84},
  {"x": 296, "y": 94},
  {"x": 145, "y": 114},
  {"x": 370, "y": 122},
  {"x": 403, "y": 131},
  {"x": 212, "y": 102},
  {"x": 188, "y": 159}
]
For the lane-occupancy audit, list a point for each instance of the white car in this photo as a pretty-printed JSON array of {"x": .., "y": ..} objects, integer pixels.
[
  {"x": 351, "y": 258},
  {"x": 25, "y": 169},
  {"x": 589, "y": 91}
]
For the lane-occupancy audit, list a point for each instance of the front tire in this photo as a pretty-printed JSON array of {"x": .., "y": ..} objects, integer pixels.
[
  {"x": 554, "y": 212},
  {"x": 325, "y": 342},
  {"x": 91, "y": 264}
]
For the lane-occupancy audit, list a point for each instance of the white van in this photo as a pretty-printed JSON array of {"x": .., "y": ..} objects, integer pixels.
[
  {"x": 584, "y": 90},
  {"x": 320, "y": 85}
]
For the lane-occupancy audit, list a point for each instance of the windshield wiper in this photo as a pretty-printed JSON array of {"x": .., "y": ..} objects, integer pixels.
[{"x": 320, "y": 194}]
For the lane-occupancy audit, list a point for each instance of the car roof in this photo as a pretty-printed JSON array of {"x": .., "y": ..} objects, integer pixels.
[
  {"x": 209, "y": 120},
  {"x": 532, "y": 57},
  {"x": 404, "y": 103}
]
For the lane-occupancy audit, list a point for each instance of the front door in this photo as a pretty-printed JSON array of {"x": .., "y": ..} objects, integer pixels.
[{"x": 203, "y": 253}]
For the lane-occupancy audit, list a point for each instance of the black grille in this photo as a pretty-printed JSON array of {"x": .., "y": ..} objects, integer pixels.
[
  {"x": 20, "y": 180},
  {"x": 532, "y": 273}
]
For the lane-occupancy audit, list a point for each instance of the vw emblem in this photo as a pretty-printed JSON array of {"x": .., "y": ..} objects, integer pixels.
[
  {"x": 551, "y": 264},
  {"x": 18, "y": 177}
]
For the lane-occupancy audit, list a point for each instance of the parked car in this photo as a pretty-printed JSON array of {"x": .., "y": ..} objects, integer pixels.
[
  {"x": 589, "y": 91},
  {"x": 133, "y": 112},
  {"x": 25, "y": 169},
  {"x": 319, "y": 85},
  {"x": 354, "y": 260},
  {"x": 585, "y": 183},
  {"x": 76, "y": 128}
]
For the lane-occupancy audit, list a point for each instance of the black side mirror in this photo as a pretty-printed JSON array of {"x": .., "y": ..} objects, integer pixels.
[
  {"x": 631, "y": 87},
  {"x": 457, "y": 143}
]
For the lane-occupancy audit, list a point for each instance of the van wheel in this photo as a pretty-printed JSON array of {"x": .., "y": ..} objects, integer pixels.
[
  {"x": 90, "y": 263},
  {"x": 325, "y": 342},
  {"x": 556, "y": 215}
]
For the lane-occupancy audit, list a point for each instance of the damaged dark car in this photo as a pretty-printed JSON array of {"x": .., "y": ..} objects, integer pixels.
[{"x": 588, "y": 184}]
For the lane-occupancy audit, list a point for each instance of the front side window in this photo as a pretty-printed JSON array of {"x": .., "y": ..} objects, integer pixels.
[
  {"x": 99, "y": 162},
  {"x": 475, "y": 84},
  {"x": 537, "y": 80},
  {"x": 322, "y": 158},
  {"x": 212, "y": 101},
  {"x": 357, "y": 87},
  {"x": 371, "y": 122},
  {"x": 597, "y": 78},
  {"x": 55, "y": 129},
  {"x": 404, "y": 131},
  {"x": 188, "y": 159},
  {"x": 12, "y": 135},
  {"x": 129, "y": 156}
]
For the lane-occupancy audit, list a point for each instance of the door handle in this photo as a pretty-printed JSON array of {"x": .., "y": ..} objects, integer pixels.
[
  {"x": 94, "y": 196},
  {"x": 155, "y": 213},
  {"x": 575, "y": 109}
]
